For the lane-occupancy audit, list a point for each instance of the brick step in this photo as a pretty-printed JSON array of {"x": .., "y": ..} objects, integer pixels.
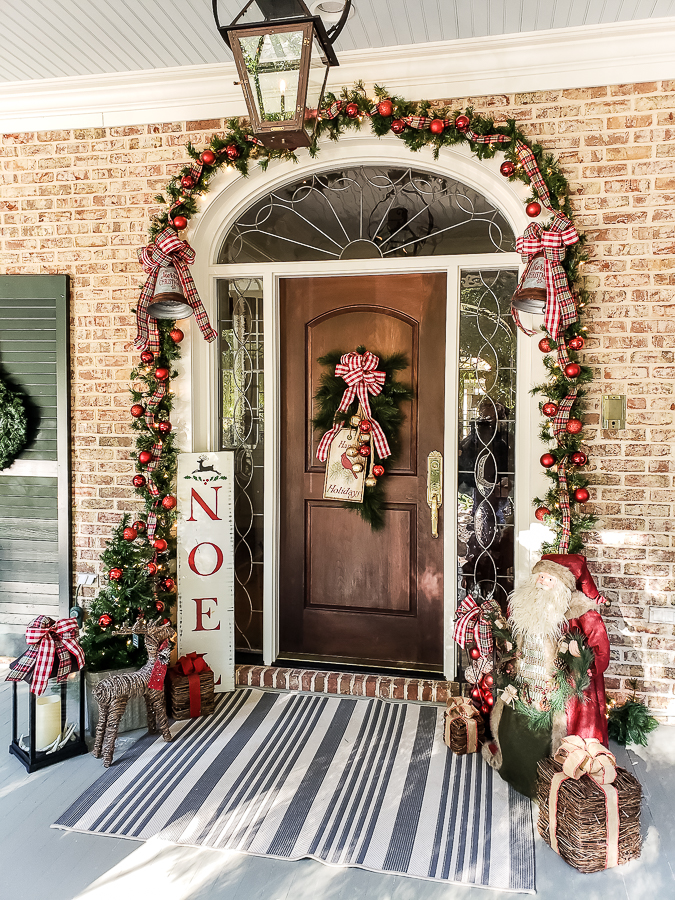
[{"x": 386, "y": 687}]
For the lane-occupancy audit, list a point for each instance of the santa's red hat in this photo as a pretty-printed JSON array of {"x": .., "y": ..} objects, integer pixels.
[{"x": 572, "y": 570}]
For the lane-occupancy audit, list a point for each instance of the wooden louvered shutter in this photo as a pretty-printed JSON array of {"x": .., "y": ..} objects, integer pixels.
[{"x": 35, "y": 541}]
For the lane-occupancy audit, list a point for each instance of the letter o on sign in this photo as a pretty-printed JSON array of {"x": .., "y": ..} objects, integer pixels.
[{"x": 193, "y": 553}]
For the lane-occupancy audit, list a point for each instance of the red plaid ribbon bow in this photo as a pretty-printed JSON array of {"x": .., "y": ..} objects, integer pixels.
[
  {"x": 472, "y": 623},
  {"x": 359, "y": 371},
  {"x": 561, "y": 310},
  {"x": 47, "y": 639},
  {"x": 167, "y": 250}
]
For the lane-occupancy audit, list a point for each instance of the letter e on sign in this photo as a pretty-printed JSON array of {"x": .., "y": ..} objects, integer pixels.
[{"x": 201, "y": 612}]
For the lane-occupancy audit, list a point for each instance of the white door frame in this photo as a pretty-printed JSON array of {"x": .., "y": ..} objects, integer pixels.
[{"x": 230, "y": 195}]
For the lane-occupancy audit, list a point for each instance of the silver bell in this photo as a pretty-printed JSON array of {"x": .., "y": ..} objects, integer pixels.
[
  {"x": 530, "y": 295},
  {"x": 169, "y": 300}
]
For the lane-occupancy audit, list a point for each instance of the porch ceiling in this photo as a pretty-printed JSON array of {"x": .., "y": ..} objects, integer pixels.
[{"x": 68, "y": 38}]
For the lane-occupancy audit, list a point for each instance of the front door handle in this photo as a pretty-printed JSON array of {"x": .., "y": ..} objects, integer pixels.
[{"x": 434, "y": 488}]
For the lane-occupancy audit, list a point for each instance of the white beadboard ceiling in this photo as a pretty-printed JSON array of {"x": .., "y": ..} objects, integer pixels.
[{"x": 46, "y": 39}]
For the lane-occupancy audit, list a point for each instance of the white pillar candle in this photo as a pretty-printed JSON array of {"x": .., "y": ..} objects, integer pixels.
[{"x": 47, "y": 720}]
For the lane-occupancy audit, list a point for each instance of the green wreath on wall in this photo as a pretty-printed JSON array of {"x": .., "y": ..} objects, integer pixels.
[{"x": 13, "y": 425}]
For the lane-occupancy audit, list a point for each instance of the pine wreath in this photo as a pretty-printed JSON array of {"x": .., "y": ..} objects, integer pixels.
[
  {"x": 13, "y": 425},
  {"x": 385, "y": 409}
]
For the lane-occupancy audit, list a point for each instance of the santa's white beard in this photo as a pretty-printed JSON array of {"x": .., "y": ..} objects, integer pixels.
[{"x": 534, "y": 610}]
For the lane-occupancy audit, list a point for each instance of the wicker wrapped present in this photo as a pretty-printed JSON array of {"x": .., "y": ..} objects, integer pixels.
[
  {"x": 190, "y": 687},
  {"x": 464, "y": 731},
  {"x": 589, "y": 808}
]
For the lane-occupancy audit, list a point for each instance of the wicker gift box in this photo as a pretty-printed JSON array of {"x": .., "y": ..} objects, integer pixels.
[
  {"x": 582, "y": 817},
  {"x": 179, "y": 693},
  {"x": 461, "y": 718}
]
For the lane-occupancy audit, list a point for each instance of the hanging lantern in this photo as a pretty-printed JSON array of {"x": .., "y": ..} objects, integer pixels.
[
  {"x": 282, "y": 53},
  {"x": 530, "y": 295},
  {"x": 169, "y": 300}
]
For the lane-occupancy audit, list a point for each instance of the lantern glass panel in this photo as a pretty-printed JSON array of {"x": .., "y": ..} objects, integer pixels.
[
  {"x": 57, "y": 715},
  {"x": 273, "y": 65},
  {"x": 318, "y": 69}
]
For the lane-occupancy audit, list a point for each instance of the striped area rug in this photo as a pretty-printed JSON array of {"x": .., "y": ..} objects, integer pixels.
[{"x": 348, "y": 781}]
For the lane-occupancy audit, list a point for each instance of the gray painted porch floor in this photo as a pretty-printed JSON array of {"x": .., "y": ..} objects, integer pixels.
[{"x": 42, "y": 862}]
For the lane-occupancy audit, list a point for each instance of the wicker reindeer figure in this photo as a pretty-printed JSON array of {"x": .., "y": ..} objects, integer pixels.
[{"x": 113, "y": 693}]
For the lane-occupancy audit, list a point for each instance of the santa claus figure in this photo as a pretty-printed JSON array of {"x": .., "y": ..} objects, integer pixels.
[{"x": 548, "y": 618}]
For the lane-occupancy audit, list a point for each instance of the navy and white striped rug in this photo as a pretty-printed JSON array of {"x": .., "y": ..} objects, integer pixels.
[{"x": 348, "y": 781}]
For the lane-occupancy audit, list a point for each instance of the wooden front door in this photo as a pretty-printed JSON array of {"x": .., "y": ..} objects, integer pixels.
[{"x": 348, "y": 593}]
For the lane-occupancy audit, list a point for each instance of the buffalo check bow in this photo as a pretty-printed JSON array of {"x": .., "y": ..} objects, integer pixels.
[
  {"x": 472, "y": 622},
  {"x": 47, "y": 639},
  {"x": 360, "y": 373},
  {"x": 167, "y": 250}
]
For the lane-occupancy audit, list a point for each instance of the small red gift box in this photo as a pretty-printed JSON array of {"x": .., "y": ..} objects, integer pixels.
[{"x": 190, "y": 687}]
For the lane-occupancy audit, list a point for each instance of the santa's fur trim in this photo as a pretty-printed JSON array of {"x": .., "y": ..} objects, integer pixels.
[
  {"x": 558, "y": 731},
  {"x": 579, "y": 605},
  {"x": 534, "y": 610},
  {"x": 562, "y": 573}
]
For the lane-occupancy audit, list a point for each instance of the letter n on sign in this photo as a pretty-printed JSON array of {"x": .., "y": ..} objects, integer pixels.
[{"x": 206, "y": 560}]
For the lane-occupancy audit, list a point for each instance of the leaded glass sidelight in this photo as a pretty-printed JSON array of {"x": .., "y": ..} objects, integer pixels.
[
  {"x": 367, "y": 212},
  {"x": 240, "y": 321},
  {"x": 487, "y": 406}
]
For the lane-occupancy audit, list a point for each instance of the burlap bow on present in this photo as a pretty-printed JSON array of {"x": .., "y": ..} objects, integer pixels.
[
  {"x": 460, "y": 708},
  {"x": 48, "y": 640},
  {"x": 587, "y": 756}
]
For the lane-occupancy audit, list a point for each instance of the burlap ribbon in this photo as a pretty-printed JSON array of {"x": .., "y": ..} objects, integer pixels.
[
  {"x": 472, "y": 623},
  {"x": 167, "y": 250},
  {"x": 48, "y": 640},
  {"x": 509, "y": 695},
  {"x": 460, "y": 708},
  {"x": 587, "y": 756}
]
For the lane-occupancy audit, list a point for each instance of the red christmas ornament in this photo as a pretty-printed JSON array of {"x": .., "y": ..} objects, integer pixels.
[
  {"x": 378, "y": 471},
  {"x": 488, "y": 680},
  {"x": 161, "y": 373},
  {"x": 398, "y": 126},
  {"x": 147, "y": 356},
  {"x": 385, "y": 107},
  {"x": 151, "y": 568},
  {"x": 475, "y": 694},
  {"x": 578, "y": 458},
  {"x": 168, "y": 585},
  {"x": 507, "y": 168},
  {"x": 462, "y": 123},
  {"x": 104, "y": 620},
  {"x": 533, "y": 209},
  {"x": 572, "y": 370},
  {"x": 139, "y": 481},
  {"x": 581, "y": 495},
  {"x": 208, "y": 157},
  {"x": 165, "y": 622},
  {"x": 169, "y": 502},
  {"x": 364, "y": 450},
  {"x": 144, "y": 457},
  {"x": 232, "y": 151},
  {"x": 179, "y": 222},
  {"x": 365, "y": 426},
  {"x": 176, "y": 335},
  {"x": 139, "y": 526},
  {"x": 474, "y": 653},
  {"x": 115, "y": 574},
  {"x": 159, "y": 606},
  {"x": 545, "y": 345},
  {"x": 574, "y": 426},
  {"x": 187, "y": 182},
  {"x": 577, "y": 343},
  {"x": 137, "y": 410},
  {"x": 547, "y": 460},
  {"x": 540, "y": 512},
  {"x": 164, "y": 427},
  {"x": 549, "y": 409},
  {"x": 489, "y": 700},
  {"x": 129, "y": 534},
  {"x": 160, "y": 545},
  {"x": 352, "y": 110},
  {"x": 485, "y": 709},
  {"x": 437, "y": 126}
]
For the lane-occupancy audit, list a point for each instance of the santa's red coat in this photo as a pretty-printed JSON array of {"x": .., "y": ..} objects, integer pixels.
[{"x": 588, "y": 719}]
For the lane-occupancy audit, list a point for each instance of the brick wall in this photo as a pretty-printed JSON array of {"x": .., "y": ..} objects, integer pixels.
[{"x": 78, "y": 202}]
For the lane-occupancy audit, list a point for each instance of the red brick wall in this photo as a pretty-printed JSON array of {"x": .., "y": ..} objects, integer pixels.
[{"x": 79, "y": 201}]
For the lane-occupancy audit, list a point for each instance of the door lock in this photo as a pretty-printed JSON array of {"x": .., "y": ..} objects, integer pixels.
[{"x": 434, "y": 488}]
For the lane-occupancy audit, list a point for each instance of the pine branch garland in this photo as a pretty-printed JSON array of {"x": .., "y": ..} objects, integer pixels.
[{"x": 13, "y": 425}]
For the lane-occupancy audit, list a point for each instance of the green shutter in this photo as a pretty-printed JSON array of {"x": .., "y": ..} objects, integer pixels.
[{"x": 35, "y": 539}]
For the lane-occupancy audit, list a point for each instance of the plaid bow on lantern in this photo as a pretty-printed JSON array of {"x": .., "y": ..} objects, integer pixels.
[
  {"x": 167, "y": 250},
  {"x": 359, "y": 371},
  {"x": 472, "y": 623},
  {"x": 47, "y": 639},
  {"x": 561, "y": 310}
]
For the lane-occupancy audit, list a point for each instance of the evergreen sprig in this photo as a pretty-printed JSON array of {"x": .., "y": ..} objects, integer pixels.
[
  {"x": 13, "y": 425},
  {"x": 631, "y": 722}
]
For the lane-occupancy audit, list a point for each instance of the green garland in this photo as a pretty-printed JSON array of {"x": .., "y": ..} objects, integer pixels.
[
  {"x": 631, "y": 722},
  {"x": 13, "y": 425},
  {"x": 385, "y": 408}
]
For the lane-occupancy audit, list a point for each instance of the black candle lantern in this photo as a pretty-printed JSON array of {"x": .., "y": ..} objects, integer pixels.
[{"x": 282, "y": 54}]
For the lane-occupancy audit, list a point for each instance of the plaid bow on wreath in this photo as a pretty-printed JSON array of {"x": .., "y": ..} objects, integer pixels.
[
  {"x": 46, "y": 640},
  {"x": 167, "y": 250},
  {"x": 472, "y": 623}
]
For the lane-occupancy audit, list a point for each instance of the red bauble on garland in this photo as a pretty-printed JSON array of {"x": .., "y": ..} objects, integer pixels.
[
  {"x": 578, "y": 458},
  {"x": 533, "y": 209},
  {"x": 489, "y": 700},
  {"x": 352, "y": 110},
  {"x": 398, "y": 126},
  {"x": 151, "y": 568},
  {"x": 144, "y": 457},
  {"x": 462, "y": 123},
  {"x": 115, "y": 574},
  {"x": 164, "y": 427},
  {"x": 147, "y": 356},
  {"x": 437, "y": 126},
  {"x": 488, "y": 680},
  {"x": 364, "y": 450},
  {"x": 541, "y": 512},
  {"x": 161, "y": 373},
  {"x": 474, "y": 653},
  {"x": 574, "y": 426},
  {"x": 160, "y": 545},
  {"x": 159, "y": 605},
  {"x": 581, "y": 495},
  {"x": 139, "y": 481},
  {"x": 187, "y": 182},
  {"x": 385, "y": 108},
  {"x": 179, "y": 222},
  {"x": 547, "y": 460},
  {"x": 139, "y": 526},
  {"x": 577, "y": 343},
  {"x": 232, "y": 151},
  {"x": 129, "y": 534},
  {"x": 208, "y": 157},
  {"x": 545, "y": 345},
  {"x": 507, "y": 168},
  {"x": 572, "y": 370},
  {"x": 169, "y": 502},
  {"x": 365, "y": 426},
  {"x": 168, "y": 585},
  {"x": 485, "y": 709},
  {"x": 378, "y": 471},
  {"x": 137, "y": 410},
  {"x": 549, "y": 409},
  {"x": 176, "y": 335},
  {"x": 104, "y": 621},
  {"x": 475, "y": 694}
]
